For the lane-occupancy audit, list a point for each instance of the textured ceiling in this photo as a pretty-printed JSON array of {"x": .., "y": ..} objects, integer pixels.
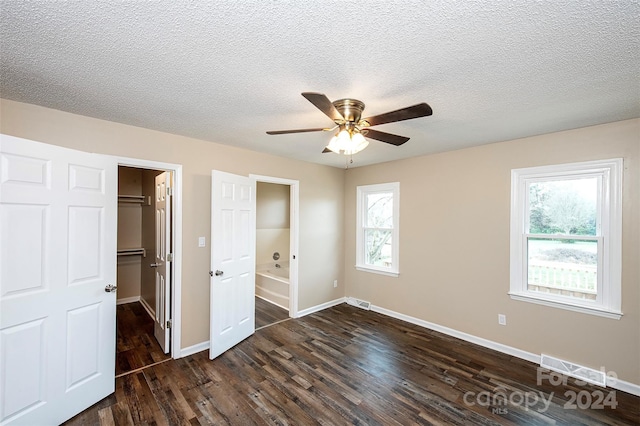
[{"x": 227, "y": 71}]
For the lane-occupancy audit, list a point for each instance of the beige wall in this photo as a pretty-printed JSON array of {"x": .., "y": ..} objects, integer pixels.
[
  {"x": 454, "y": 247},
  {"x": 272, "y": 206},
  {"x": 272, "y": 222},
  {"x": 321, "y": 197},
  {"x": 129, "y": 233}
]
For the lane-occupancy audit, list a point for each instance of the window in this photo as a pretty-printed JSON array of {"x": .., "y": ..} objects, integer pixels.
[
  {"x": 566, "y": 236},
  {"x": 378, "y": 208}
]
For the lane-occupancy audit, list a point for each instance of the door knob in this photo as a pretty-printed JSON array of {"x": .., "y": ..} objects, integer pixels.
[
  {"x": 154, "y": 265},
  {"x": 110, "y": 288},
  {"x": 219, "y": 272}
]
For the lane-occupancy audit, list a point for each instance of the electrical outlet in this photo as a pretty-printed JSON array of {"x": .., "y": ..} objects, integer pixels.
[
  {"x": 335, "y": 283},
  {"x": 502, "y": 319}
]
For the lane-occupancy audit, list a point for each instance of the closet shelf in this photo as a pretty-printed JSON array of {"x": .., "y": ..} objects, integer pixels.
[
  {"x": 138, "y": 199},
  {"x": 132, "y": 252}
]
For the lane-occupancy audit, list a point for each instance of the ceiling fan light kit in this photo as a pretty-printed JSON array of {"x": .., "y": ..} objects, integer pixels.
[
  {"x": 346, "y": 114},
  {"x": 347, "y": 143}
]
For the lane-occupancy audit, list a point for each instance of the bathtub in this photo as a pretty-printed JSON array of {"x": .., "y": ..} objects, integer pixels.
[{"x": 272, "y": 284}]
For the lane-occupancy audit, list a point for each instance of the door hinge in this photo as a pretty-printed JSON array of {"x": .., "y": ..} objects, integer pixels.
[
  {"x": 169, "y": 191},
  {"x": 169, "y": 324},
  {"x": 170, "y": 257}
]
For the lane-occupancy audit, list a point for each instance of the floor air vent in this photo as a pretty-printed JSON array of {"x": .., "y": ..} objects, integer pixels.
[
  {"x": 574, "y": 370},
  {"x": 362, "y": 304}
]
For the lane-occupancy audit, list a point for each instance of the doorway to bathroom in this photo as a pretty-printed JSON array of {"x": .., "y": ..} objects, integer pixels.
[{"x": 276, "y": 250}]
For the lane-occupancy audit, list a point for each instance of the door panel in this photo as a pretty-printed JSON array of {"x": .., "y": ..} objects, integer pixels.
[
  {"x": 57, "y": 254},
  {"x": 246, "y": 306},
  {"x": 85, "y": 234},
  {"x": 163, "y": 244},
  {"x": 233, "y": 255},
  {"x": 23, "y": 365},
  {"x": 23, "y": 229},
  {"x": 82, "y": 344}
]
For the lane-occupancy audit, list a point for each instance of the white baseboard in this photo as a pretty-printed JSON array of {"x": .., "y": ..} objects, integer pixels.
[
  {"x": 460, "y": 335},
  {"x": 622, "y": 385},
  {"x": 321, "y": 307},
  {"x": 147, "y": 308},
  {"x": 128, "y": 300},
  {"x": 627, "y": 387},
  {"x": 194, "y": 349}
]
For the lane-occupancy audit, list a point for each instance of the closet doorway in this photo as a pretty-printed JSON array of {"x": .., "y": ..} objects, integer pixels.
[{"x": 144, "y": 302}]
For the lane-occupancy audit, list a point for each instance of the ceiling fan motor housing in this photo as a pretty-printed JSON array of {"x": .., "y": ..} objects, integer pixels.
[{"x": 350, "y": 109}]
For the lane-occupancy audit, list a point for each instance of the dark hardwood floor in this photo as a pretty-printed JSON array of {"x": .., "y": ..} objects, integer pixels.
[
  {"x": 268, "y": 313},
  {"x": 345, "y": 365},
  {"x": 136, "y": 346}
]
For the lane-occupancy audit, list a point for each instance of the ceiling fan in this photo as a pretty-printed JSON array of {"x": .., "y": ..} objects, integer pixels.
[{"x": 346, "y": 114}]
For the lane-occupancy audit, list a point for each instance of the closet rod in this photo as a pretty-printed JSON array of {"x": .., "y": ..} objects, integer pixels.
[
  {"x": 132, "y": 199},
  {"x": 132, "y": 252}
]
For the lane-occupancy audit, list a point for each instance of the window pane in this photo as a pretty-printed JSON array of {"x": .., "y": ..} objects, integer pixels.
[
  {"x": 378, "y": 250},
  {"x": 380, "y": 210},
  {"x": 563, "y": 207},
  {"x": 563, "y": 267}
]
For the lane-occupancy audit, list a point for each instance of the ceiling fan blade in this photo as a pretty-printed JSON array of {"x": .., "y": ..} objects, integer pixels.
[
  {"x": 323, "y": 104},
  {"x": 324, "y": 151},
  {"x": 415, "y": 111},
  {"x": 283, "y": 132},
  {"x": 384, "y": 137}
]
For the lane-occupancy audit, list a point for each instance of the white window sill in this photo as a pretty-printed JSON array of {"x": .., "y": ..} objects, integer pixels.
[
  {"x": 592, "y": 310},
  {"x": 377, "y": 271}
]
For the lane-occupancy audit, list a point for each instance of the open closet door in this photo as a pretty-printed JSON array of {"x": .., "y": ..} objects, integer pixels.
[
  {"x": 162, "y": 265},
  {"x": 233, "y": 241},
  {"x": 58, "y": 213}
]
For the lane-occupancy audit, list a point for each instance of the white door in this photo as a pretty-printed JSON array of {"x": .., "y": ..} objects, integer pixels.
[
  {"x": 233, "y": 225},
  {"x": 163, "y": 247},
  {"x": 57, "y": 281}
]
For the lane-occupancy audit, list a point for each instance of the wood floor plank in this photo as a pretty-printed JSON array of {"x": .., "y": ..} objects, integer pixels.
[
  {"x": 277, "y": 407},
  {"x": 136, "y": 345},
  {"x": 268, "y": 313},
  {"x": 105, "y": 417},
  {"x": 121, "y": 414},
  {"x": 345, "y": 365},
  {"x": 137, "y": 393}
]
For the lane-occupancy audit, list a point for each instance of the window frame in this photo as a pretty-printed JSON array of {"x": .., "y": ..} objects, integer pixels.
[
  {"x": 608, "y": 301},
  {"x": 363, "y": 191}
]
